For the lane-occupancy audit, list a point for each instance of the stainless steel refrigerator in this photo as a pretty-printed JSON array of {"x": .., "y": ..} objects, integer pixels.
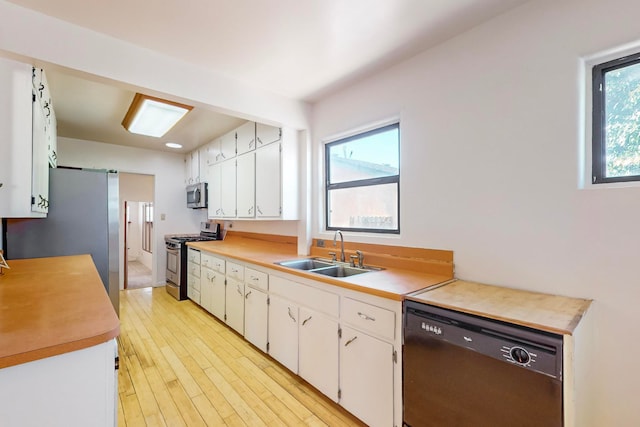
[{"x": 82, "y": 219}]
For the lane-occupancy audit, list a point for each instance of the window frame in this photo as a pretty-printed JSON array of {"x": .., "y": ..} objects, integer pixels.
[
  {"x": 361, "y": 182},
  {"x": 598, "y": 122}
]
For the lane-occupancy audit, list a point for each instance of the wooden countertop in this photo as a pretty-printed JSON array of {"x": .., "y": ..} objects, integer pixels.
[
  {"x": 392, "y": 283},
  {"x": 551, "y": 313},
  {"x": 51, "y": 306}
]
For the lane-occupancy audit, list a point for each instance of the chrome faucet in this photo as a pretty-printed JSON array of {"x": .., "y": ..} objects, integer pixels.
[{"x": 335, "y": 237}]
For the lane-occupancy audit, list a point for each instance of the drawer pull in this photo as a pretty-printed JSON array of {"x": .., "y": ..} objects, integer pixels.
[
  {"x": 351, "y": 340},
  {"x": 247, "y": 295},
  {"x": 238, "y": 289},
  {"x": 255, "y": 279},
  {"x": 304, "y": 322},
  {"x": 291, "y": 315},
  {"x": 366, "y": 317}
]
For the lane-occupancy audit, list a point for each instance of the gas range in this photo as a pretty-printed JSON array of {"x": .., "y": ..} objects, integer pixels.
[{"x": 177, "y": 256}]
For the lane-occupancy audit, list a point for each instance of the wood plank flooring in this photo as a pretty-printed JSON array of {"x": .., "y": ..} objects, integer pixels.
[{"x": 180, "y": 366}]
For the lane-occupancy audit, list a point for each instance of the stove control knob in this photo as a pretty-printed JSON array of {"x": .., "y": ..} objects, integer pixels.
[{"x": 520, "y": 355}]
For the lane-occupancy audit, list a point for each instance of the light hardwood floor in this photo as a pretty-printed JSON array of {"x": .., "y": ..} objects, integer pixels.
[{"x": 179, "y": 366}]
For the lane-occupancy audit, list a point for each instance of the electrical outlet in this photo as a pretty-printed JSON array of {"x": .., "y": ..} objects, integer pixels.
[
  {"x": 163, "y": 217},
  {"x": 320, "y": 243}
]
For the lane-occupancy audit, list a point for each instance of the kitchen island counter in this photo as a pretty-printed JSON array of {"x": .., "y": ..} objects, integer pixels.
[{"x": 52, "y": 306}]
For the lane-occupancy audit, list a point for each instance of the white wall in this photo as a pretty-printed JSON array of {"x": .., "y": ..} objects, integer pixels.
[
  {"x": 169, "y": 192},
  {"x": 491, "y": 127}
]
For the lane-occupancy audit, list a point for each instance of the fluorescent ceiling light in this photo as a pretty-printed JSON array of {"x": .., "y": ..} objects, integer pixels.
[
  {"x": 173, "y": 145},
  {"x": 153, "y": 116}
]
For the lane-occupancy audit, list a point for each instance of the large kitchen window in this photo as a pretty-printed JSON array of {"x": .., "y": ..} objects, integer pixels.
[
  {"x": 616, "y": 120},
  {"x": 363, "y": 181}
]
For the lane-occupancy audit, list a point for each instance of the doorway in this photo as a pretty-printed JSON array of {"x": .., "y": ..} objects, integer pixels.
[
  {"x": 137, "y": 225},
  {"x": 138, "y": 244}
]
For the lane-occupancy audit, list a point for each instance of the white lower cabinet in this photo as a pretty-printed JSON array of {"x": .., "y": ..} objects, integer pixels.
[
  {"x": 283, "y": 332},
  {"x": 366, "y": 377},
  {"x": 235, "y": 305},
  {"x": 318, "y": 351},
  {"x": 212, "y": 292},
  {"x": 256, "y": 317}
]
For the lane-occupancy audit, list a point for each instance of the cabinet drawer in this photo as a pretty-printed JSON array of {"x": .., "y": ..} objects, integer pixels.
[
  {"x": 368, "y": 317},
  {"x": 193, "y": 282},
  {"x": 257, "y": 279},
  {"x": 193, "y": 255},
  {"x": 193, "y": 269},
  {"x": 212, "y": 262},
  {"x": 235, "y": 270}
]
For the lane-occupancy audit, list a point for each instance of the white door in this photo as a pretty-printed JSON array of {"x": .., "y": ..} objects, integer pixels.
[
  {"x": 246, "y": 138},
  {"x": 228, "y": 189},
  {"x": 268, "y": 193},
  {"x": 214, "y": 191},
  {"x": 266, "y": 134},
  {"x": 256, "y": 317},
  {"x": 283, "y": 332},
  {"x": 366, "y": 377},
  {"x": 246, "y": 185},
  {"x": 235, "y": 305},
  {"x": 318, "y": 351}
]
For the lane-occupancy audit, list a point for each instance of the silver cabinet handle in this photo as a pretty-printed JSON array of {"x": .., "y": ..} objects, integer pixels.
[
  {"x": 365, "y": 317},
  {"x": 258, "y": 209},
  {"x": 238, "y": 289},
  {"x": 247, "y": 295},
  {"x": 254, "y": 278},
  {"x": 252, "y": 143},
  {"x": 291, "y": 315},
  {"x": 351, "y": 340},
  {"x": 304, "y": 322}
]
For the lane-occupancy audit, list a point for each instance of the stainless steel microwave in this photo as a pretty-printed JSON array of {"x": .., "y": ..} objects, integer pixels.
[{"x": 197, "y": 195}]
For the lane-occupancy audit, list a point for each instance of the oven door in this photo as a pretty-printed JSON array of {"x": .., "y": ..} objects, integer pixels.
[{"x": 173, "y": 265}]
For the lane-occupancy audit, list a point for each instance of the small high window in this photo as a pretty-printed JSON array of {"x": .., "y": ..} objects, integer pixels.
[
  {"x": 363, "y": 181},
  {"x": 616, "y": 120}
]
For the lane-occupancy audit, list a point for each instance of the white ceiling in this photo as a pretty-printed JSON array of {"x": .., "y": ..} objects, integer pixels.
[{"x": 299, "y": 49}]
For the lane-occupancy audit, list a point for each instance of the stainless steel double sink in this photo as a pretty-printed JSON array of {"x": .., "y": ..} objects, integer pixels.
[{"x": 326, "y": 267}]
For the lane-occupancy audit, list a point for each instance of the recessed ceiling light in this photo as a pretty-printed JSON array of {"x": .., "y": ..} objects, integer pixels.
[
  {"x": 153, "y": 116},
  {"x": 173, "y": 145}
]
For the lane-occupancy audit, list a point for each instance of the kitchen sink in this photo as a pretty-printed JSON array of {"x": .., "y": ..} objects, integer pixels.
[
  {"x": 306, "y": 264},
  {"x": 326, "y": 267},
  {"x": 340, "y": 271}
]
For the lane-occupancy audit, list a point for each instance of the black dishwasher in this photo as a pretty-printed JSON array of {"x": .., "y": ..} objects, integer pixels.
[{"x": 462, "y": 370}]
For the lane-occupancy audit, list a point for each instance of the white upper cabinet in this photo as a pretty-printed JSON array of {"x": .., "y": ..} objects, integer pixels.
[
  {"x": 214, "y": 176},
  {"x": 246, "y": 138},
  {"x": 24, "y": 160},
  {"x": 227, "y": 146},
  {"x": 246, "y": 183},
  {"x": 228, "y": 189},
  {"x": 266, "y": 134},
  {"x": 268, "y": 191}
]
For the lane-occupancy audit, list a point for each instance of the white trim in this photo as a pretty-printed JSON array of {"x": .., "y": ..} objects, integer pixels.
[{"x": 360, "y": 129}]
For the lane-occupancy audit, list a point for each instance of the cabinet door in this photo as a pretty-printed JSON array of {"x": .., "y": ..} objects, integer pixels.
[
  {"x": 318, "y": 351},
  {"x": 235, "y": 305},
  {"x": 246, "y": 185},
  {"x": 246, "y": 138},
  {"x": 212, "y": 292},
  {"x": 52, "y": 140},
  {"x": 283, "y": 332},
  {"x": 40, "y": 171},
  {"x": 215, "y": 195},
  {"x": 268, "y": 194},
  {"x": 266, "y": 134},
  {"x": 228, "y": 146},
  {"x": 228, "y": 189},
  {"x": 212, "y": 152},
  {"x": 256, "y": 317},
  {"x": 366, "y": 377},
  {"x": 195, "y": 166},
  {"x": 202, "y": 164},
  {"x": 187, "y": 169}
]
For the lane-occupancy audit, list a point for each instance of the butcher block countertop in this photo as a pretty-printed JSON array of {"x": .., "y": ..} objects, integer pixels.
[
  {"x": 392, "y": 283},
  {"x": 52, "y": 306},
  {"x": 551, "y": 313}
]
